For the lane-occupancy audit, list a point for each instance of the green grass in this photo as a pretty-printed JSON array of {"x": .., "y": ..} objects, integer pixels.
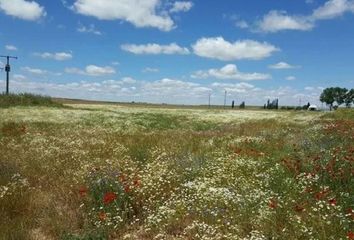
[
  {"x": 341, "y": 114},
  {"x": 26, "y": 99}
]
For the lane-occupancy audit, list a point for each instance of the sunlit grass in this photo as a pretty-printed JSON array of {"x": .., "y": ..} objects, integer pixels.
[{"x": 114, "y": 172}]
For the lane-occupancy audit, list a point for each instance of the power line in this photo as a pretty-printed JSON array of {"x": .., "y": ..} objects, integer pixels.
[
  {"x": 225, "y": 99},
  {"x": 209, "y": 99},
  {"x": 7, "y": 70}
]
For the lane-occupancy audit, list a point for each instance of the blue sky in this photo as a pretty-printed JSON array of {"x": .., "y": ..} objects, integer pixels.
[{"x": 166, "y": 51}]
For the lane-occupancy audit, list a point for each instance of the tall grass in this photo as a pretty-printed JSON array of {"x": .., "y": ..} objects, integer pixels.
[{"x": 26, "y": 99}]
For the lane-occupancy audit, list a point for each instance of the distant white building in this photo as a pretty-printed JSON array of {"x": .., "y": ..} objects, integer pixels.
[{"x": 312, "y": 108}]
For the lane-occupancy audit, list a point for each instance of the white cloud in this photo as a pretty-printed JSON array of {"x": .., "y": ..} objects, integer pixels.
[
  {"x": 39, "y": 72},
  {"x": 242, "y": 24},
  {"x": 88, "y": 29},
  {"x": 283, "y": 65},
  {"x": 11, "y": 48},
  {"x": 276, "y": 21},
  {"x": 290, "y": 78},
  {"x": 151, "y": 70},
  {"x": 60, "y": 56},
  {"x": 170, "y": 84},
  {"x": 332, "y": 9},
  {"x": 153, "y": 48},
  {"x": 26, "y": 10},
  {"x": 309, "y": 88},
  {"x": 234, "y": 88},
  {"x": 19, "y": 77},
  {"x": 170, "y": 88},
  {"x": 181, "y": 6},
  {"x": 230, "y": 72},
  {"x": 137, "y": 12},
  {"x": 36, "y": 71},
  {"x": 129, "y": 80},
  {"x": 92, "y": 70},
  {"x": 220, "y": 49}
]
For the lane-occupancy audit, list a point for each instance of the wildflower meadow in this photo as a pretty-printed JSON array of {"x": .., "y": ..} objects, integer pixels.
[{"x": 140, "y": 172}]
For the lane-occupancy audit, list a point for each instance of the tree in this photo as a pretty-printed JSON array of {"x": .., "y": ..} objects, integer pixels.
[
  {"x": 327, "y": 96},
  {"x": 339, "y": 95},
  {"x": 242, "y": 105},
  {"x": 331, "y": 95},
  {"x": 349, "y": 98}
]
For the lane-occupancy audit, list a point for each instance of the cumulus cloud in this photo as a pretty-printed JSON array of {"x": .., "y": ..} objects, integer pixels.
[
  {"x": 235, "y": 88},
  {"x": 230, "y": 72},
  {"x": 181, "y": 6},
  {"x": 88, "y": 29},
  {"x": 220, "y": 49},
  {"x": 60, "y": 56},
  {"x": 153, "y": 48},
  {"x": 332, "y": 9},
  {"x": 139, "y": 13},
  {"x": 92, "y": 70},
  {"x": 282, "y": 65},
  {"x": 128, "y": 80},
  {"x": 169, "y": 88},
  {"x": 26, "y": 10},
  {"x": 36, "y": 71},
  {"x": 276, "y": 21},
  {"x": 11, "y": 48}
]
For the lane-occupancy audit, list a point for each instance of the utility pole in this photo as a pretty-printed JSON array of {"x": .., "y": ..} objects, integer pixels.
[
  {"x": 7, "y": 70},
  {"x": 209, "y": 99},
  {"x": 225, "y": 99}
]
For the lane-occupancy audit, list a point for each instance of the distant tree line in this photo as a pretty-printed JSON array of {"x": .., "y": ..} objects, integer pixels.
[
  {"x": 272, "y": 105},
  {"x": 242, "y": 105},
  {"x": 337, "y": 95}
]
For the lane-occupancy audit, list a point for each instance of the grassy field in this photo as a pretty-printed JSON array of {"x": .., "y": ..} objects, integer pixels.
[{"x": 89, "y": 171}]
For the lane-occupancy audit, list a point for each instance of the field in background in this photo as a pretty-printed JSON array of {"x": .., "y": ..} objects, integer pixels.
[{"x": 89, "y": 171}]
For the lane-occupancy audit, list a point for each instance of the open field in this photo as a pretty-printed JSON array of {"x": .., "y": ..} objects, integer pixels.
[{"x": 90, "y": 171}]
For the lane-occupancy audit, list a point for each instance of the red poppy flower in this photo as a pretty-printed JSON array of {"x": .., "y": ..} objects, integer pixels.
[
  {"x": 83, "y": 191},
  {"x": 350, "y": 235},
  {"x": 109, "y": 197},
  {"x": 127, "y": 189},
  {"x": 272, "y": 204},
  {"x": 299, "y": 208},
  {"x": 332, "y": 202},
  {"x": 320, "y": 195},
  {"x": 122, "y": 178},
  {"x": 102, "y": 216},
  {"x": 137, "y": 183}
]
